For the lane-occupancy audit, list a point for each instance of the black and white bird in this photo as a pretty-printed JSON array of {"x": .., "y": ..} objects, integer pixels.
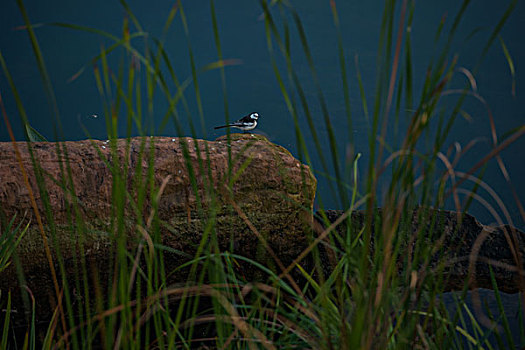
[{"x": 246, "y": 123}]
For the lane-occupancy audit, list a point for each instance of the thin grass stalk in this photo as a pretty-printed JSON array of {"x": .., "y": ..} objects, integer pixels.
[
  {"x": 291, "y": 105},
  {"x": 324, "y": 108},
  {"x": 33, "y": 204}
]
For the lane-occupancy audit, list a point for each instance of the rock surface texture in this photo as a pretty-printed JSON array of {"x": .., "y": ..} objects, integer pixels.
[{"x": 246, "y": 183}]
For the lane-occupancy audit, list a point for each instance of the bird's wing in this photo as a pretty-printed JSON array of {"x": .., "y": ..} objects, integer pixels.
[{"x": 247, "y": 120}]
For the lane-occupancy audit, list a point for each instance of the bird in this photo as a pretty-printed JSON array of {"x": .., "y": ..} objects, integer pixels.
[{"x": 246, "y": 123}]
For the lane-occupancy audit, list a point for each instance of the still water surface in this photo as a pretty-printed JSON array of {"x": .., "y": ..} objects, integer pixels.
[{"x": 252, "y": 86}]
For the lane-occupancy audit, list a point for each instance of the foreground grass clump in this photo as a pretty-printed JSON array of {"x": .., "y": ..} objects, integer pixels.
[{"x": 371, "y": 285}]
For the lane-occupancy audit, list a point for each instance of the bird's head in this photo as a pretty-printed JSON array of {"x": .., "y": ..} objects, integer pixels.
[{"x": 254, "y": 116}]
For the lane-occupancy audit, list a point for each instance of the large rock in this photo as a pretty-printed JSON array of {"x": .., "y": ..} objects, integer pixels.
[{"x": 246, "y": 181}]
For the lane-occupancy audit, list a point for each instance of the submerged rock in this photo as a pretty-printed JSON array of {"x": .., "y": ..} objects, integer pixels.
[{"x": 465, "y": 251}]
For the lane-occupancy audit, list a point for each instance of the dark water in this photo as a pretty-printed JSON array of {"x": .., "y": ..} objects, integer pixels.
[
  {"x": 480, "y": 304},
  {"x": 251, "y": 86}
]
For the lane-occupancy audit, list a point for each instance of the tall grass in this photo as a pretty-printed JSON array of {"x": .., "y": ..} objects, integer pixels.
[{"x": 380, "y": 288}]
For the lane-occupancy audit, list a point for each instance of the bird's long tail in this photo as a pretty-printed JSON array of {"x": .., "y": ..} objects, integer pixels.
[{"x": 222, "y": 126}]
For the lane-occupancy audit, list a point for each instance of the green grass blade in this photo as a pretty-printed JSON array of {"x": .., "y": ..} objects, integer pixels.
[
  {"x": 7, "y": 318},
  {"x": 505, "y": 321},
  {"x": 48, "y": 87},
  {"x": 510, "y": 62},
  {"x": 328, "y": 124},
  {"x": 33, "y": 135},
  {"x": 495, "y": 33}
]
